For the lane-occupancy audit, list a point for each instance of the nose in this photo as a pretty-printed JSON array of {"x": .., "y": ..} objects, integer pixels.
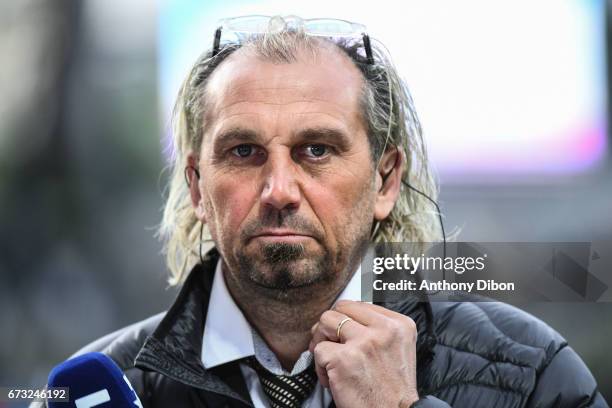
[{"x": 281, "y": 190}]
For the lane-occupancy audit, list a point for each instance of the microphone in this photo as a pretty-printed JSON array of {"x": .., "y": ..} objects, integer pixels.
[{"x": 93, "y": 380}]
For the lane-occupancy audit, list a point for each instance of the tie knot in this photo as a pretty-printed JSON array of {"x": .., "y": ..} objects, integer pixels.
[{"x": 285, "y": 391}]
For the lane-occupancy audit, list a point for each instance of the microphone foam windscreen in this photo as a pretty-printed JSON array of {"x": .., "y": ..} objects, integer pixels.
[{"x": 93, "y": 380}]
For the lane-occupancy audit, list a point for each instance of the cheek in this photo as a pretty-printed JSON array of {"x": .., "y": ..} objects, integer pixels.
[
  {"x": 343, "y": 205},
  {"x": 230, "y": 201}
]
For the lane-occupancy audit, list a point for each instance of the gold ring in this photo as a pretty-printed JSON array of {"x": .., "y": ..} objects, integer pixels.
[{"x": 346, "y": 319}]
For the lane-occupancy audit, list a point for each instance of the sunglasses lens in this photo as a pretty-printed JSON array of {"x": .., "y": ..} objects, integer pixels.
[
  {"x": 328, "y": 27},
  {"x": 318, "y": 26},
  {"x": 240, "y": 29},
  {"x": 247, "y": 24}
]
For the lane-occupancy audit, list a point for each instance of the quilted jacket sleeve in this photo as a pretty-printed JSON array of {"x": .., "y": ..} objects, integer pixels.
[{"x": 566, "y": 382}]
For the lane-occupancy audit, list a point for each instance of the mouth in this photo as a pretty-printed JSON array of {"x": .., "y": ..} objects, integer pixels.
[{"x": 277, "y": 236}]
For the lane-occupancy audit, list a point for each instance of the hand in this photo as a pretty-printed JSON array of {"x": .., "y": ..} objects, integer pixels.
[{"x": 373, "y": 364}]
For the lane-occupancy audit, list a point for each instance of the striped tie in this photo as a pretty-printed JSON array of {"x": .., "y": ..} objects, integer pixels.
[{"x": 284, "y": 391}]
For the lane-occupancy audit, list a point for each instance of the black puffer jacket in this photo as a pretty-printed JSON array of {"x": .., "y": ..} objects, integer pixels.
[{"x": 483, "y": 354}]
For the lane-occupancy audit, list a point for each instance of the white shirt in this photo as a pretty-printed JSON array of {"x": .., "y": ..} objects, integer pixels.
[{"x": 228, "y": 336}]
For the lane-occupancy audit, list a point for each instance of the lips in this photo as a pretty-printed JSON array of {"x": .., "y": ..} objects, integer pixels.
[{"x": 281, "y": 235}]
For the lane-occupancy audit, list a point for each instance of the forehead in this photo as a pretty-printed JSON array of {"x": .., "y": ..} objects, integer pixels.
[{"x": 326, "y": 79}]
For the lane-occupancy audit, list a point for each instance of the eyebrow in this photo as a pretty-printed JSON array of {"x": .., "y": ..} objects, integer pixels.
[
  {"x": 325, "y": 134},
  {"x": 319, "y": 134},
  {"x": 235, "y": 135}
]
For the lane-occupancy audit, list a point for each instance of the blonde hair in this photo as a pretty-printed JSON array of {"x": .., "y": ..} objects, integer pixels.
[{"x": 388, "y": 110}]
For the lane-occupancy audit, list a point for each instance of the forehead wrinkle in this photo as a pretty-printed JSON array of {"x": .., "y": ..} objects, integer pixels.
[
  {"x": 318, "y": 109},
  {"x": 336, "y": 121},
  {"x": 242, "y": 77},
  {"x": 325, "y": 118},
  {"x": 276, "y": 96}
]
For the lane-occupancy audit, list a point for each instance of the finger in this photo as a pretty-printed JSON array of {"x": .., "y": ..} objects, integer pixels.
[
  {"x": 327, "y": 328},
  {"x": 366, "y": 313},
  {"x": 325, "y": 353},
  {"x": 322, "y": 376},
  {"x": 387, "y": 320},
  {"x": 339, "y": 327},
  {"x": 385, "y": 311},
  {"x": 321, "y": 332}
]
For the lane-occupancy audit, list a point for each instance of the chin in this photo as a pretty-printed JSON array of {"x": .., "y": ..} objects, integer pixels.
[
  {"x": 285, "y": 269},
  {"x": 288, "y": 275}
]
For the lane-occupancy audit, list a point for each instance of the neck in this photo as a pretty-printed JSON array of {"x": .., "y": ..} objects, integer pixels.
[{"x": 285, "y": 324}]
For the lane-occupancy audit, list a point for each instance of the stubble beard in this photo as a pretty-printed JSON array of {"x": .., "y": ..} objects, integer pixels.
[
  {"x": 289, "y": 274},
  {"x": 286, "y": 272}
]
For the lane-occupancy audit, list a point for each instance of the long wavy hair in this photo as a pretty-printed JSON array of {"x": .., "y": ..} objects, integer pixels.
[{"x": 388, "y": 110}]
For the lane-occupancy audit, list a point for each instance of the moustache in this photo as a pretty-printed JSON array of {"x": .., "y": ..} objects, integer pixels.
[{"x": 296, "y": 224}]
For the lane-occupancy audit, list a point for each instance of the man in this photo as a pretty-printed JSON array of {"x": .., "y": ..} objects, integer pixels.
[{"x": 294, "y": 152}]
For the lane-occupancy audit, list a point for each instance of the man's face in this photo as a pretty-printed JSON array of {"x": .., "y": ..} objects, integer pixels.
[{"x": 287, "y": 185}]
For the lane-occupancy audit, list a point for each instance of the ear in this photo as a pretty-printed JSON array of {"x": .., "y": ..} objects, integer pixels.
[
  {"x": 192, "y": 176},
  {"x": 388, "y": 181}
]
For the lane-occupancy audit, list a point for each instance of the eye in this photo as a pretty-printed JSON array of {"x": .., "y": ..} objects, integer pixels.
[
  {"x": 243, "y": 150},
  {"x": 316, "y": 150}
]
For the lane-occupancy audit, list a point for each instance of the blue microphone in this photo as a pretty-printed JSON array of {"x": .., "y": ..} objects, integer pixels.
[{"x": 93, "y": 380}]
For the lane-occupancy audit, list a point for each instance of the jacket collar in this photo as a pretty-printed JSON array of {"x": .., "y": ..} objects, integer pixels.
[{"x": 174, "y": 348}]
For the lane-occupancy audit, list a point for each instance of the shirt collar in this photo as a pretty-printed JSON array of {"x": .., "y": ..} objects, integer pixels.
[{"x": 227, "y": 333}]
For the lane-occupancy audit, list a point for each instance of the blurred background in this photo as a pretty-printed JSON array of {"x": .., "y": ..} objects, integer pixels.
[{"x": 513, "y": 97}]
